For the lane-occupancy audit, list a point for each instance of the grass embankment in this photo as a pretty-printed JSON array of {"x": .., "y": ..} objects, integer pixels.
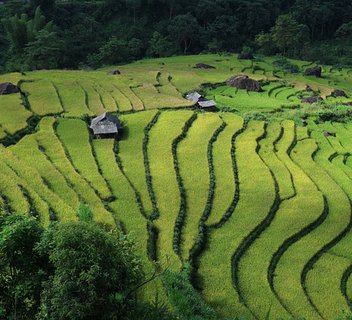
[
  {"x": 75, "y": 138},
  {"x": 13, "y": 114},
  {"x": 193, "y": 164},
  {"x": 164, "y": 181},
  {"x": 226, "y": 240}
]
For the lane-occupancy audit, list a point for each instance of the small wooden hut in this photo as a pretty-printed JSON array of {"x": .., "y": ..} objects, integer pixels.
[
  {"x": 201, "y": 102},
  {"x": 105, "y": 126}
]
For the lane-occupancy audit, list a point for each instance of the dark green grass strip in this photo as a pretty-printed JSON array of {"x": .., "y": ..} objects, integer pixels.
[
  {"x": 200, "y": 241},
  {"x": 231, "y": 209},
  {"x": 183, "y": 206},
  {"x": 155, "y": 213},
  {"x": 343, "y": 286},
  {"x": 254, "y": 234}
]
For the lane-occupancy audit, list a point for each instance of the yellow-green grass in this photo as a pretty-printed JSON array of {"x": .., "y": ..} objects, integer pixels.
[
  {"x": 13, "y": 115},
  {"x": 13, "y": 77},
  {"x": 106, "y": 98},
  {"x": 94, "y": 101},
  {"x": 340, "y": 255},
  {"x": 302, "y": 133},
  {"x": 274, "y": 133},
  {"x": 10, "y": 189},
  {"x": 349, "y": 287},
  {"x": 120, "y": 100},
  {"x": 127, "y": 211},
  {"x": 245, "y": 101},
  {"x": 184, "y": 78},
  {"x": 165, "y": 186},
  {"x": 3, "y": 134},
  {"x": 28, "y": 150},
  {"x": 3, "y": 208},
  {"x": 254, "y": 268},
  {"x": 33, "y": 182},
  {"x": 73, "y": 98},
  {"x": 257, "y": 195},
  {"x": 327, "y": 299},
  {"x": 55, "y": 152},
  {"x": 74, "y": 135},
  {"x": 131, "y": 153},
  {"x": 135, "y": 101},
  {"x": 289, "y": 219},
  {"x": 293, "y": 216},
  {"x": 166, "y": 87},
  {"x": 225, "y": 186},
  {"x": 344, "y": 135},
  {"x": 42, "y": 97},
  {"x": 153, "y": 99},
  {"x": 194, "y": 170}
]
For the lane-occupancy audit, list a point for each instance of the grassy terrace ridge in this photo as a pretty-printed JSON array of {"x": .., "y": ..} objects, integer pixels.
[
  {"x": 258, "y": 204},
  {"x": 193, "y": 164}
]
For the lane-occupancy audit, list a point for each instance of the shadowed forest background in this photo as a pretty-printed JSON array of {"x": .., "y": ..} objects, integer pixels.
[{"x": 45, "y": 34}]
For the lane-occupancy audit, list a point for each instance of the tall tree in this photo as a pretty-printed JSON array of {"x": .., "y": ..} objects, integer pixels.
[
  {"x": 22, "y": 269},
  {"x": 184, "y": 30},
  {"x": 288, "y": 34},
  {"x": 95, "y": 273}
]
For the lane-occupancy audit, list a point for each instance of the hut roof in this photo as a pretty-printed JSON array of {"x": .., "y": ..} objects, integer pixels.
[
  {"x": 207, "y": 104},
  {"x": 105, "y": 124},
  {"x": 194, "y": 97}
]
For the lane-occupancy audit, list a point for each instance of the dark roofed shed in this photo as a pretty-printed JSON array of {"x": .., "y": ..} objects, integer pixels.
[{"x": 105, "y": 125}]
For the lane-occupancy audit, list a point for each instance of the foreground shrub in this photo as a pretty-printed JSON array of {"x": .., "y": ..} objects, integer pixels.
[
  {"x": 22, "y": 270},
  {"x": 94, "y": 272}
]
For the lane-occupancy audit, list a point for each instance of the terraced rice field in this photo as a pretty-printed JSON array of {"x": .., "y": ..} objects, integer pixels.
[{"x": 262, "y": 211}]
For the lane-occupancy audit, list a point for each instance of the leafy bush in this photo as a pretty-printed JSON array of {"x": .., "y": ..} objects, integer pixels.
[
  {"x": 284, "y": 65},
  {"x": 184, "y": 298}
]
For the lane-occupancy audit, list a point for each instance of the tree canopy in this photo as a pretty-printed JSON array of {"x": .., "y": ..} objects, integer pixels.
[{"x": 100, "y": 32}]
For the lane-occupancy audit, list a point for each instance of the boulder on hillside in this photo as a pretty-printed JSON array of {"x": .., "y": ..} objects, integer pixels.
[
  {"x": 114, "y": 72},
  {"x": 339, "y": 93},
  {"x": 312, "y": 99},
  {"x": 203, "y": 66},
  {"x": 329, "y": 134},
  {"x": 308, "y": 88},
  {"x": 316, "y": 71},
  {"x": 245, "y": 56},
  {"x": 242, "y": 81},
  {"x": 8, "y": 88}
]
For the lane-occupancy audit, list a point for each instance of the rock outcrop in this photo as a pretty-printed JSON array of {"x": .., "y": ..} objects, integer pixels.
[
  {"x": 203, "y": 66},
  {"x": 8, "y": 88},
  {"x": 339, "y": 93},
  {"x": 242, "y": 81},
  {"x": 114, "y": 72},
  {"x": 316, "y": 71},
  {"x": 312, "y": 99}
]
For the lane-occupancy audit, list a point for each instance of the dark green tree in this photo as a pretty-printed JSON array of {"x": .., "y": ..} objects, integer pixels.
[
  {"x": 22, "y": 269},
  {"x": 288, "y": 34},
  {"x": 184, "y": 30},
  {"x": 95, "y": 273},
  {"x": 160, "y": 46},
  {"x": 44, "y": 52},
  {"x": 21, "y": 30}
]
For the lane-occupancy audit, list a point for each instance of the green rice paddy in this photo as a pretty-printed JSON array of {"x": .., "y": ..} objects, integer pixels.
[{"x": 260, "y": 209}]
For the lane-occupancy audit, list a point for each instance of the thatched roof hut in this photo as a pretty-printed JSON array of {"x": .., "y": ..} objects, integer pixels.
[{"x": 105, "y": 125}]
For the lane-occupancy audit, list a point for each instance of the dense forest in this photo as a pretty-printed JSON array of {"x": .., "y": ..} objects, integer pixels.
[{"x": 44, "y": 34}]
